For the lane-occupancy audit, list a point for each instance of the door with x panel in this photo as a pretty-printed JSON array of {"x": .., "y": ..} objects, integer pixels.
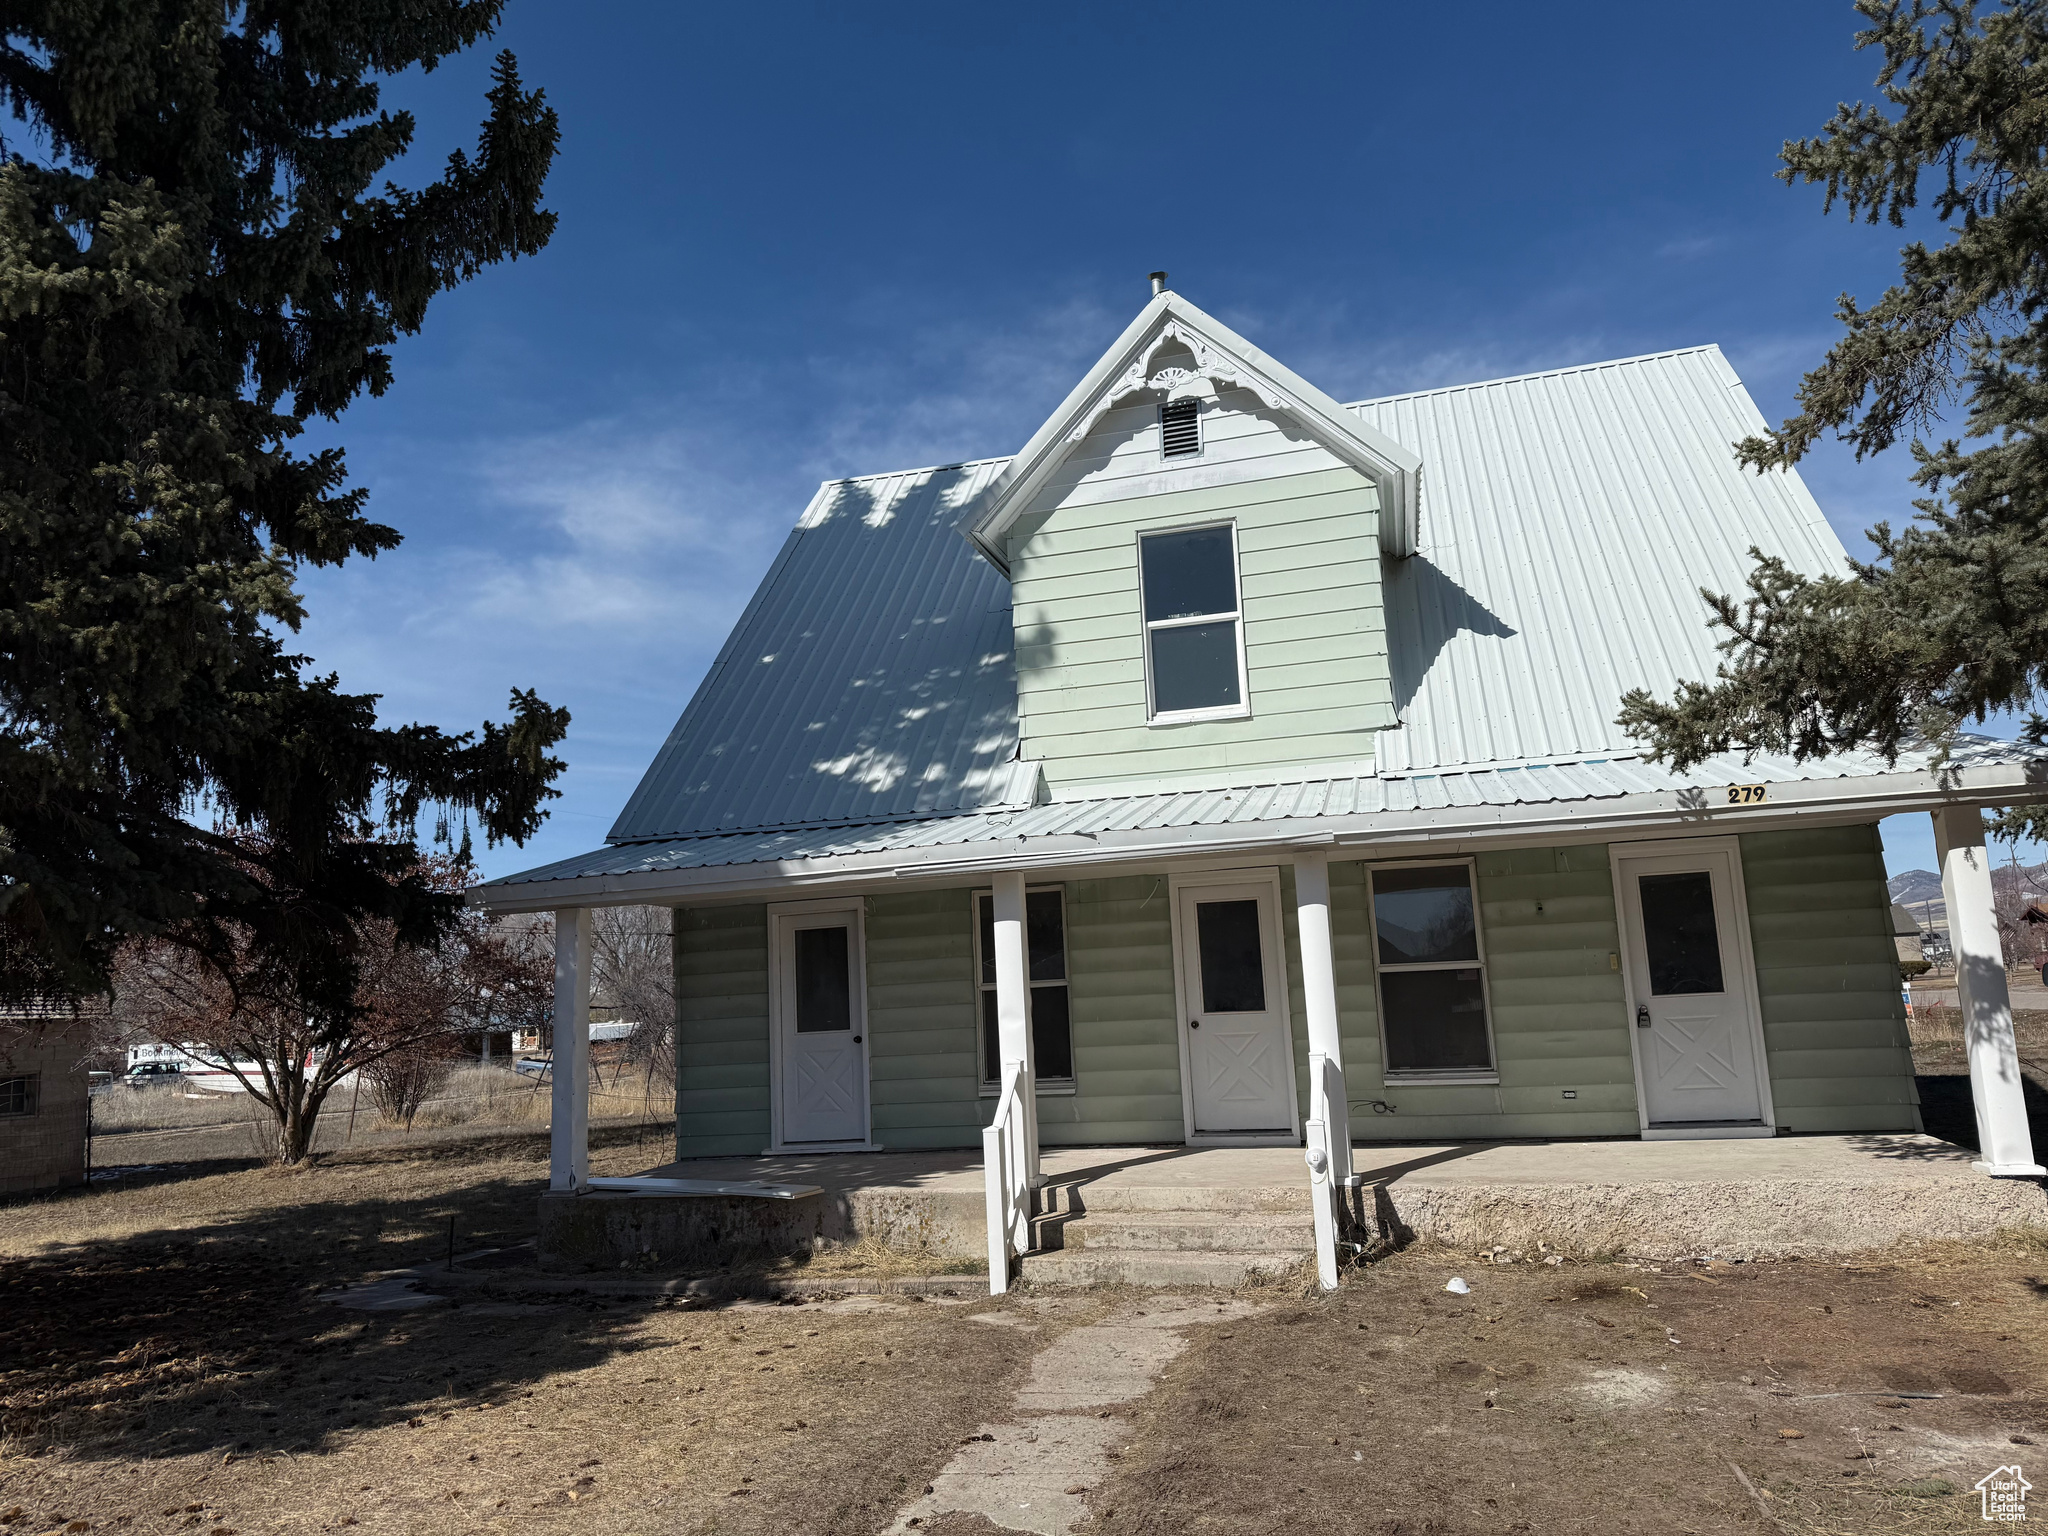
[
  {"x": 1696, "y": 1029},
  {"x": 820, "y": 1024},
  {"x": 1240, "y": 1064}
]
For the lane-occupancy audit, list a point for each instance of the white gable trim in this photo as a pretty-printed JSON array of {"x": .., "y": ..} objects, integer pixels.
[{"x": 1223, "y": 358}]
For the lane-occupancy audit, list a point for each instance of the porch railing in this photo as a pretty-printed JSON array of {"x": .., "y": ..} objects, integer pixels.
[
  {"x": 1006, "y": 1178},
  {"x": 1327, "y": 1163}
]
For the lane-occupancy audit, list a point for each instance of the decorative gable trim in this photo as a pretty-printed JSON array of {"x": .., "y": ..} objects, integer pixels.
[{"x": 1223, "y": 359}]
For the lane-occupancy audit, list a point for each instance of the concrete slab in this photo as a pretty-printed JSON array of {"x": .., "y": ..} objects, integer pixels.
[{"x": 1737, "y": 1198}]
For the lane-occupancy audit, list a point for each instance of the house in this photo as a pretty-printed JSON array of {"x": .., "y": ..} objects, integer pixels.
[{"x": 1232, "y": 766}]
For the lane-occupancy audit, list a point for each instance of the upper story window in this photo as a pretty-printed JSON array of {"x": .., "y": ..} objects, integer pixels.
[
  {"x": 18, "y": 1094},
  {"x": 1432, "y": 974},
  {"x": 1180, "y": 429},
  {"x": 1194, "y": 629},
  {"x": 1045, "y": 972}
]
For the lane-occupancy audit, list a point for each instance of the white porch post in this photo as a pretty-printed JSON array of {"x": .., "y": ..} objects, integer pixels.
[
  {"x": 1319, "y": 984},
  {"x": 1013, "y": 1010},
  {"x": 569, "y": 1125},
  {"x": 2006, "y": 1146}
]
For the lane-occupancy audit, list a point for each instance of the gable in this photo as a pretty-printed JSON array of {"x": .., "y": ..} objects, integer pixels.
[
  {"x": 1173, "y": 350},
  {"x": 1305, "y": 526}
]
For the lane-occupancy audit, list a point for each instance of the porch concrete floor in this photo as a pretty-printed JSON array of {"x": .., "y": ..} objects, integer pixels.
[
  {"x": 1857, "y": 1159},
  {"x": 1666, "y": 1199}
]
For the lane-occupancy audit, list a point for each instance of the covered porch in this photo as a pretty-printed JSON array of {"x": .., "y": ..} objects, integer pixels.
[
  {"x": 1568, "y": 906},
  {"x": 1218, "y": 1215}
]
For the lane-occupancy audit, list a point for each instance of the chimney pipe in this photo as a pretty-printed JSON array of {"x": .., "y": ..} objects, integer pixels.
[{"x": 1158, "y": 282}]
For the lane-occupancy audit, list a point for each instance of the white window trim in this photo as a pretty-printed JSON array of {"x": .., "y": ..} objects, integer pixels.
[
  {"x": 1242, "y": 709},
  {"x": 1048, "y": 1088},
  {"x": 1434, "y": 1076}
]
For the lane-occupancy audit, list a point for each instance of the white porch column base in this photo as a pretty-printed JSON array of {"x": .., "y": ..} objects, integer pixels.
[
  {"x": 2003, "y": 1139},
  {"x": 1013, "y": 1009},
  {"x": 569, "y": 1124},
  {"x": 1319, "y": 986}
]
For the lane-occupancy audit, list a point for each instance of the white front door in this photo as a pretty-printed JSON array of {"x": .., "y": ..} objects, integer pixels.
[
  {"x": 1698, "y": 1042},
  {"x": 1233, "y": 987},
  {"x": 821, "y": 1028}
]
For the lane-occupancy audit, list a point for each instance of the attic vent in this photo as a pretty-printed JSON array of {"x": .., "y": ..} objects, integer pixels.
[{"x": 1180, "y": 428}]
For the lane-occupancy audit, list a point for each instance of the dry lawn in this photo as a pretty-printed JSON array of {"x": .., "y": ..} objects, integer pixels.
[
  {"x": 1604, "y": 1399},
  {"x": 166, "y": 1365}
]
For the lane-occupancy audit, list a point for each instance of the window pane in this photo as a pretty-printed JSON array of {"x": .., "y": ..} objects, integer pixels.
[
  {"x": 991, "y": 1040},
  {"x": 1189, "y": 573},
  {"x": 985, "y": 914},
  {"x": 1045, "y": 936},
  {"x": 1233, "y": 973},
  {"x": 18, "y": 1095},
  {"x": 1436, "y": 1020},
  {"x": 1195, "y": 667},
  {"x": 1052, "y": 1036},
  {"x": 1678, "y": 931},
  {"x": 1424, "y": 915},
  {"x": 824, "y": 990}
]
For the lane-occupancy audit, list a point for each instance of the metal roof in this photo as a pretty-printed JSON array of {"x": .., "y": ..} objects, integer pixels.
[
  {"x": 866, "y": 699},
  {"x": 1531, "y": 784},
  {"x": 870, "y": 678},
  {"x": 1570, "y": 519}
]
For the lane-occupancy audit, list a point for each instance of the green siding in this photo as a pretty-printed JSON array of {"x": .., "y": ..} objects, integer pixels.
[
  {"x": 923, "y": 1081},
  {"x": 1819, "y": 920},
  {"x": 1828, "y": 976},
  {"x": 721, "y": 964},
  {"x": 1126, "y": 1032},
  {"x": 1314, "y": 629},
  {"x": 1548, "y": 925}
]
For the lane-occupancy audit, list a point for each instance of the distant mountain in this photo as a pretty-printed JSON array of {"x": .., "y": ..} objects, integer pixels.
[{"x": 1915, "y": 885}]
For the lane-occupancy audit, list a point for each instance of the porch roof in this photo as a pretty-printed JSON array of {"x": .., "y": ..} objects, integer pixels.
[{"x": 1568, "y": 801}]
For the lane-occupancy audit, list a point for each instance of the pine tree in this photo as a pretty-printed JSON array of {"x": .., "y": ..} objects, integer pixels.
[
  {"x": 195, "y": 259},
  {"x": 1947, "y": 622}
]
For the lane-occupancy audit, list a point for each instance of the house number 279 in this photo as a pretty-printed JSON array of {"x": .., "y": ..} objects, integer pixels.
[{"x": 1746, "y": 794}]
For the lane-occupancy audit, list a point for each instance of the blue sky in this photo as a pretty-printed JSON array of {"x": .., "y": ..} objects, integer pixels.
[{"x": 803, "y": 241}]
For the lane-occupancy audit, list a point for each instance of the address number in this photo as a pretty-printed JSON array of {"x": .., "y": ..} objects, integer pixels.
[{"x": 1746, "y": 794}]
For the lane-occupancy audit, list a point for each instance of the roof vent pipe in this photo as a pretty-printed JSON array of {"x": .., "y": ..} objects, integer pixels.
[{"x": 1158, "y": 282}]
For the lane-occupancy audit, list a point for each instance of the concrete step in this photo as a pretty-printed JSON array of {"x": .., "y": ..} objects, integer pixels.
[
  {"x": 1191, "y": 1232},
  {"x": 1094, "y": 1198},
  {"x": 1136, "y": 1268}
]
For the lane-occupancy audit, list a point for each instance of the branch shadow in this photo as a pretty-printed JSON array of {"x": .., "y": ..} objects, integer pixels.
[{"x": 212, "y": 1338}]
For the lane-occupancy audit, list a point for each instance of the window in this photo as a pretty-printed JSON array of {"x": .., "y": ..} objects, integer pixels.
[
  {"x": 1194, "y": 642},
  {"x": 1180, "y": 429},
  {"x": 18, "y": 1095},
  {"x": 1432, "y": 972},
  {"x": 1045, "y": 971}
]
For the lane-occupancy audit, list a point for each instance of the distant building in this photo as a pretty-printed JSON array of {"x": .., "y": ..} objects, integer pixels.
[
  {"x": 43, "y": 1082},
  {"x": 1907, "y": 939}
]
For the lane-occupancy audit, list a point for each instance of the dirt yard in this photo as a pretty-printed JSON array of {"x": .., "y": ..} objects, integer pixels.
[
  {"x": 1854, "y": 1398},
  {"x": 1942, "y": 1066},
  {"x": 167, "y": 1365}
]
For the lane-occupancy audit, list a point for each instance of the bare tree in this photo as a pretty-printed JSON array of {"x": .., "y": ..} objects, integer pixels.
[
  {"x": 244, "y": 1007},
  {"x": 633, "y": 961}
]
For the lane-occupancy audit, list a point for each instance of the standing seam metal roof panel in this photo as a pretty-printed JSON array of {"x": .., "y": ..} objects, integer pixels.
[
  {"x": 1569, "y": 521},
  {"x": 870, "y": 678}
]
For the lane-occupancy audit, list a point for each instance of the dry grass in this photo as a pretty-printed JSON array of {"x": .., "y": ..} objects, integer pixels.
[
  {"x": 122, "y": 1108},
  {"x": 1941, "y": 1029},
  {"x": 163, "y": 1356},
  {"x": 1603, "y": 1398}
]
